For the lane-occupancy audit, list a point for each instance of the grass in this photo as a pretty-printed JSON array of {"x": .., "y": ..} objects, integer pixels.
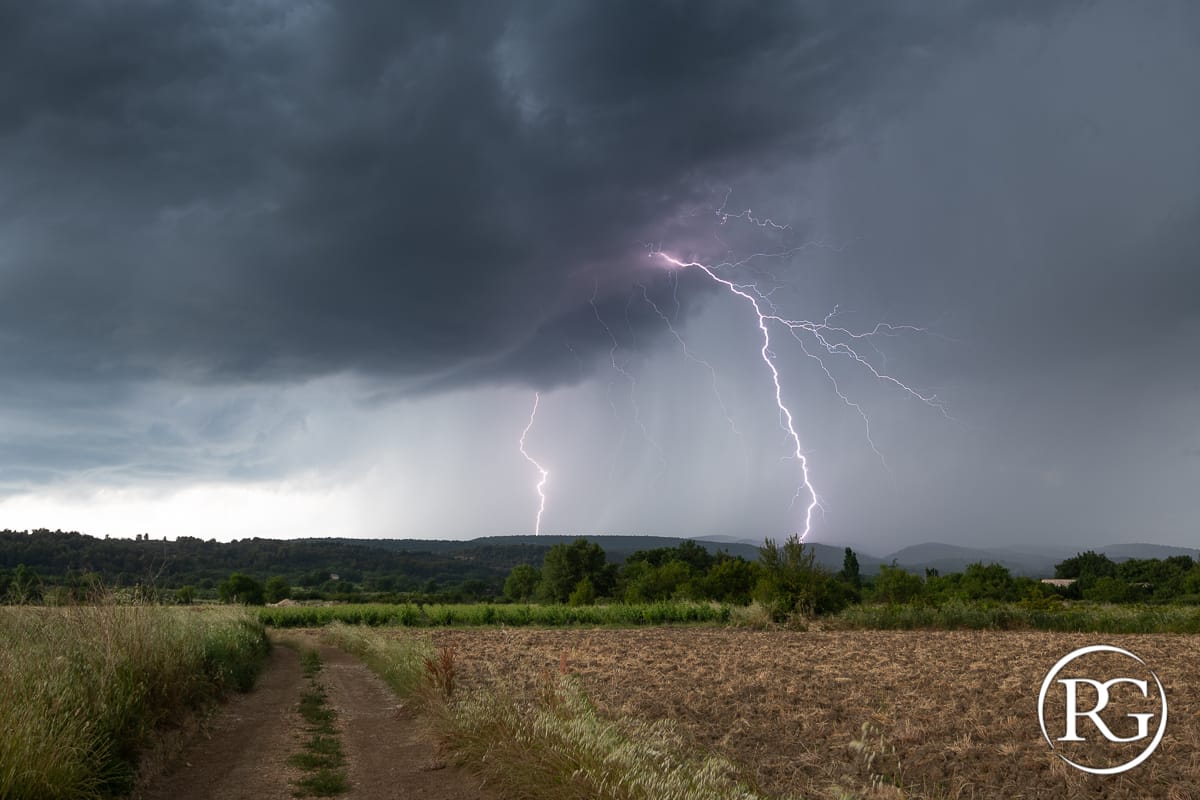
[
  {"x": 322, "y": 758},
  {"x": 83, "y": 688},
  {"x": 482, "y": 614},
  {"x": 552, "y": 746},
  {"x": 1064, "y": 618}
]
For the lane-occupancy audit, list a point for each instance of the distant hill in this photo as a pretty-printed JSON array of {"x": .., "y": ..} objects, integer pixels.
[
  {"x": 953, "y": 558},
  {"x": 1123, "y": 552},
  {"x": 531, "y": 549},
  {"x": 437, "y": 564},
  {"x": 1036, "y": 562}
]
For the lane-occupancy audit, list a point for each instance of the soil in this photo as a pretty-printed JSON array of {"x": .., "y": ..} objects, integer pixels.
[
  {"x": 244, "y": 750},
  {"x": 949, "y": 714}
]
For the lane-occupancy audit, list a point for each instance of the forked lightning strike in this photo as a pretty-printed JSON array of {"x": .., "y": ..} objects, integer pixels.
[
  {"x": 830, "y": 337},
  {"x": 541, "y": 484},
  {"x": 769, "y": 359}
]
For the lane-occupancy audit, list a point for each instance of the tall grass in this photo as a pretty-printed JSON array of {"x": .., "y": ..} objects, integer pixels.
[
  {"x": 1074, "y": 618},
  {"x": 413, "y": 616},
  {"x": 555, "y": 747},
  {"x": 83, "y": 688},
  {"x": 400, "y": 662}
]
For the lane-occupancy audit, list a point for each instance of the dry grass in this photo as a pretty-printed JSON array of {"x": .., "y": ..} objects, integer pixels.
[{"x": 853, "y": 713}]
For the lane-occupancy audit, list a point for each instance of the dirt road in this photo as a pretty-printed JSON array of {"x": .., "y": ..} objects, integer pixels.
[{"x": 389, "y": 752}]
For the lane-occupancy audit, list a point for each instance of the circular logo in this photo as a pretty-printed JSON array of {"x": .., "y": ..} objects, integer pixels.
[{"x": 1074, "y": 716}]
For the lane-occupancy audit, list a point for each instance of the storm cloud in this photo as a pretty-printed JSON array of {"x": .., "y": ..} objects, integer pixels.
[
  {"x": 261, "y": 191},
  {"x": 225, "y": 226}
]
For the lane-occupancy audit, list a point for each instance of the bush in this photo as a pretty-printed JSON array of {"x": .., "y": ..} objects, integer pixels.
[{"x": 243, "y": 589}]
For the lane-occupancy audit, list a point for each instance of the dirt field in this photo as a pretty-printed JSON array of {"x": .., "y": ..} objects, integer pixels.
[{"x": 950, "y": 714}]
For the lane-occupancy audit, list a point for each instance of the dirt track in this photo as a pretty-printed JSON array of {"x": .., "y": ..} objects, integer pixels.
[{"x": 244, "y": 753}]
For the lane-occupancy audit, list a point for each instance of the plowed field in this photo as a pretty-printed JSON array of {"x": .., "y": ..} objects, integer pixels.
[{"x": 947, "y": 714}]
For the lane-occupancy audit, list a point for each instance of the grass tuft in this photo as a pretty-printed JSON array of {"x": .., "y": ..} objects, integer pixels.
[{"x": 322, "y": 757}]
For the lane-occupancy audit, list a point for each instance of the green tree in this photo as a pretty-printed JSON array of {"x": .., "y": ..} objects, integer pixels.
[
  {"x": 185, "y": 595},
  {"x": 521, "y": 584},
  {"x": 1086, "y": 567},
  {"x": 895, "y": 585},
  {"x": 566, "y": 565},
  {"x": 277, "y": 589},
  {"x": 791, "y": 581},
  {"x": 990, "y": 582},
  {"x": 239, "y": 588},
  {"x": 731, "y": 580},
  {"x": 646, "y": 583},
  {"x": 25, "y": 586},
  {"x": 850, "y": 573},
  {"x": 584, "y": 594},
  {"x": 1109, "y": 589}
]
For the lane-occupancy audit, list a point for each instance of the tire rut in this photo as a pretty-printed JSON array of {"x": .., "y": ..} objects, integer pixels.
[
  {"x": 243, "y": 753},
  {"x": 390, "y": 753}
]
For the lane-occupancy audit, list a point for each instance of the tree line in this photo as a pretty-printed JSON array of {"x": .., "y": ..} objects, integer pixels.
[
  {"x": 45, "y": 566},
  {"x": 786, "y": 580}
]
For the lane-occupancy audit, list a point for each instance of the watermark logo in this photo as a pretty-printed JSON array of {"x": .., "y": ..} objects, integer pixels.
[{"x": 1087, "y": 699}]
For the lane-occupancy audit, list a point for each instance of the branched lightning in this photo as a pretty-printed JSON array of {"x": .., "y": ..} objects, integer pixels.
[
  {"x": 818, "y": 340},
  {"x": 748, "y": 215},
  {"x": 542, "y": 472},
  {"x": 768, "y": 358},
  {"x": 832, "y": 338}
]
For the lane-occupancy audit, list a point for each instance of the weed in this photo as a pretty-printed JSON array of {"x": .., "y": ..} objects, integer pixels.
[
  {"x": 310, "y": 662},
  {"x": 323, "y": 783},
  {"x": 322, "y": 757},
  {"x": 878, "y": 758},
  {"x": 440, "y": 670}
]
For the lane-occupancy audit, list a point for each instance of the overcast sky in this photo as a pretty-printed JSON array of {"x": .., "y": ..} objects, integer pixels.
[{"x": 297, "y": 269}]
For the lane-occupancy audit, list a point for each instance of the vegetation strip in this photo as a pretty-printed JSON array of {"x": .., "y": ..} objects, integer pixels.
[
  {"x": 554, "y": 747},
  {"x": 413, "y": 616},
  {"x": 83, "y": 688},
  {"x": 322, "y": 757}
]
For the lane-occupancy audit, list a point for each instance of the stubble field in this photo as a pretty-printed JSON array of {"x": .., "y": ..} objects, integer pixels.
[{"x": 915, "y": 714}]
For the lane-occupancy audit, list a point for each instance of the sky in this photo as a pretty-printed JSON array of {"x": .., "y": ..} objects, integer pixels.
[{"x": 291, "y": 269}]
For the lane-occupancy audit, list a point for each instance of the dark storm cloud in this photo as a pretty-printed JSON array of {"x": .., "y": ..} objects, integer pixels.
[{"x": 265, "y": 191}]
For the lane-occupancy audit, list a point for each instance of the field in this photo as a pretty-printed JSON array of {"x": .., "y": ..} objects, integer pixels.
[{"x": 849, "y": 713}]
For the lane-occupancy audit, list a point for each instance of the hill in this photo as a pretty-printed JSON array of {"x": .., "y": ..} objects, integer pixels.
[{"x": 475, "y": 567}]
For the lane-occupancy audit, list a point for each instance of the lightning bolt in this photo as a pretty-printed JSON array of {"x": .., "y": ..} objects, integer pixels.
[
  {"x": 748, "y": 215},
  {"x": 788, "y": 423},
  {"x": 831, "y": 338},
  {"x": 542, "y": 472}
]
